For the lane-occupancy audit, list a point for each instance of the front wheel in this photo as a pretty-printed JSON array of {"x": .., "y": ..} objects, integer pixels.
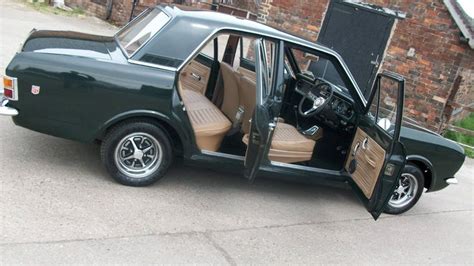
[
  {"x": 137, "y": 153},
  {"x": 408, "y": 190}
]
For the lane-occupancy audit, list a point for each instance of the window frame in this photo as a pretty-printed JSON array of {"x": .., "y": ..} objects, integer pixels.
[{"x": 132, "y": 23}]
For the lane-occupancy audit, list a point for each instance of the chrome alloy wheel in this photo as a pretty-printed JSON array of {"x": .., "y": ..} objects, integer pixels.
[
  {"x": 405, "y": 191},
  {"x": 138, "y": 154}
]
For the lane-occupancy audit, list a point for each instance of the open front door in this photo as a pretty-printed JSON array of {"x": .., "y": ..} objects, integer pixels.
[
  {"x": 268, "y": 70},
  {"x": 377, "y": 157}
]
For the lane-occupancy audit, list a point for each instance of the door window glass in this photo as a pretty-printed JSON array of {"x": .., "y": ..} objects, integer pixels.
[
  {"x": 208, "y": 50},
  {"x": 245, "y": 54},
  {"x": 266, "y": 68},
  {"x": 384, "y": 106},
  {"x": 248, "y": 48},
  {"x": 318, "y": 67},
  {"x": 270, "y": 57}
]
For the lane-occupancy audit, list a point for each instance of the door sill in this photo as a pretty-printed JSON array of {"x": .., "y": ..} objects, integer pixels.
[
  {"x": 307, "y": 168},
  {"x": 225, "y": 155}
]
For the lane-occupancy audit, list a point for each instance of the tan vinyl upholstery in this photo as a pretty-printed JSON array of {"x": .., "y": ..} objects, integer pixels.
[
  {"x": 208, "y": 122},
  {"x": 288, "y": 145},
  {"x": 230, "y": 102},
  {"x": 195, "y": 76},
  {"x": 247, "y": 73},
  {"x": 369, "y": 162}
]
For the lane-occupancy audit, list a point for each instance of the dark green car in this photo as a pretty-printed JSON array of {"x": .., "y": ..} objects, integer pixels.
[{"x": 230, "y": 94}]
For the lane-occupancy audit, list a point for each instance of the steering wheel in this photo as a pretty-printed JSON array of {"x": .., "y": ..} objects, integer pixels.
[{"x": 320, "y": 99}]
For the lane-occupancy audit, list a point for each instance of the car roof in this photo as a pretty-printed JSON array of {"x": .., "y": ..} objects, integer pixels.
[{"x": 216, "y": 20}]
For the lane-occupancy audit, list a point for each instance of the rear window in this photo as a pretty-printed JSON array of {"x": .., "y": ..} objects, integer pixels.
[{"x": 139, "y": 31}]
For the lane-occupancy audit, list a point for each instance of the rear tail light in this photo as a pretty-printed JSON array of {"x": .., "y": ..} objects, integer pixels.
[{"x": 10, "y": 88}]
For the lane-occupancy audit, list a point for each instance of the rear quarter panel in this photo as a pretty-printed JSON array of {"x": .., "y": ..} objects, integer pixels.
[{"x": 79, "y": 95}]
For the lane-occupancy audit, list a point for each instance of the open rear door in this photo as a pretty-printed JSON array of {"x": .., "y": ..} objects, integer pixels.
[{"x": 377, "y": 157}]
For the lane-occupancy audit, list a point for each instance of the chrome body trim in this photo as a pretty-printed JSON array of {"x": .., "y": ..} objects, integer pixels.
[
  {"x": 305, "y": 168},
  {"x": 131, "y": 61},
  {"x": 225, "y": 155}
]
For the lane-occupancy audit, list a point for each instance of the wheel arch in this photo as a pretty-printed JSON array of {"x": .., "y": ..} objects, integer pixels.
[
  {"x": 159, "y": 119},
  {"x": 426, "y": 168}
]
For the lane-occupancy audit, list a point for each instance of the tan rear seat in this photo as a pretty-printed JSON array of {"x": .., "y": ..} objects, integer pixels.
[{"x": 209, "y": 124}]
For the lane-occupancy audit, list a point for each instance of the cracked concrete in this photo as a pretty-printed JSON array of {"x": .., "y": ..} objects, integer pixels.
[{"x": 58, "y": 205}]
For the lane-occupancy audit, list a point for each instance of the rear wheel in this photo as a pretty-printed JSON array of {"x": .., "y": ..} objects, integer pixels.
[
  {"x": 408, "y": 190},
  {"x": 137, "y": 153}
]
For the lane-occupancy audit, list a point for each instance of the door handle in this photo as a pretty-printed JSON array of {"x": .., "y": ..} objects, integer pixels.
[
  {"x": 356, "y": 148},
  {"x": 364, "y": 143},
  {"x": 370, "y": 161},
  {"x": 196, "y": 76}
]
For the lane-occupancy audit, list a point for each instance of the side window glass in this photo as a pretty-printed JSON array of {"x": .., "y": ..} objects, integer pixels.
[
  {"x": 384, "y": 106},
  {"x": 318, "y": 67},
  {"x": 270, "y": 59},
  {"x": 238, "y": 54},
  {"x": 208, "y": 50},
  {"x": 221, "y": 44},
  {"x": 266, "y": 68},
  {"x": 248, "y": 49},
  {"x": 288, "y": 70}
]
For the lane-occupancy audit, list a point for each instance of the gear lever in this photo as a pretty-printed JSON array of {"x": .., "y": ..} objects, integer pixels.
[{"x": 310, "y": 131}]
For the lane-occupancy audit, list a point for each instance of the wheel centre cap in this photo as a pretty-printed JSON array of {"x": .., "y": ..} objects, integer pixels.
[
  {"x": 400, "y": 190},
  {"x": 138, "y": 154}
]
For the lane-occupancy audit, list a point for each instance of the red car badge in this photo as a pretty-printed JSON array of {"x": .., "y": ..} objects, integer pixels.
[{"x": 35, "y": 89}]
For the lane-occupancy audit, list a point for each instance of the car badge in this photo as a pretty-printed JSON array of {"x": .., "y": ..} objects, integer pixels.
[{"x": 35, "y": 89}]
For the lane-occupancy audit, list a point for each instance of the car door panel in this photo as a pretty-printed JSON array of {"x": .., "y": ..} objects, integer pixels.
[
  {"x": 370, "y": 158},
  {"x": 196, "y": 76}
]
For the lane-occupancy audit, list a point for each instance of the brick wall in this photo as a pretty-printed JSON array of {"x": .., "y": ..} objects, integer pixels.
[
  {"x": 428, "y": 30},
  {"x": 96, "y": 8}
]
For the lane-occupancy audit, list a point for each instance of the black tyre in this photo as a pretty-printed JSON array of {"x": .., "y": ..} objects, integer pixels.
[
  {"x": 136, "y": 153},
  {"x": 408, "y": 190}
]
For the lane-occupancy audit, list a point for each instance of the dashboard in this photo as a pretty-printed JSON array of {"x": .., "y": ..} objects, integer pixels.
[
  {"x": 339, "y": 112},
  {"x": 342, "y": 108}
]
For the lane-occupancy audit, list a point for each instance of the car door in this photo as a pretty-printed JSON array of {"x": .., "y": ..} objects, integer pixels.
[
  {"x": 377, "y": 156},
  {"x": 264, "y": 119}
]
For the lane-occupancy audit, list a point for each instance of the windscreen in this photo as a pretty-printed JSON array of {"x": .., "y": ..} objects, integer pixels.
[{"x": 139, "y": 31}]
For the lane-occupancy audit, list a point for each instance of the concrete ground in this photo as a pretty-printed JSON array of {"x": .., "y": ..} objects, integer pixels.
[{"x": 58, "y": 205}]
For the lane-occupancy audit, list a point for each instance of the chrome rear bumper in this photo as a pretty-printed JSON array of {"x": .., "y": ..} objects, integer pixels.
[
  {"x": 5, "y": 110},
  {"x": 451, "y": 181}
]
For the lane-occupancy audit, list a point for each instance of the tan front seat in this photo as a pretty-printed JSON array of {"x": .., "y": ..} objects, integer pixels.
[
  {"x": 208, "y": 122},
  {"x": 288, "y": 145},
  {"x": 230, "y": 102}
]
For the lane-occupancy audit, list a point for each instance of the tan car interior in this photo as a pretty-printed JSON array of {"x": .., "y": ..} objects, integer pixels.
[
  {"x": 211, "y": 124},
  {"x": 370, "y": 157},
  {"x": 195, "y": 77}
]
